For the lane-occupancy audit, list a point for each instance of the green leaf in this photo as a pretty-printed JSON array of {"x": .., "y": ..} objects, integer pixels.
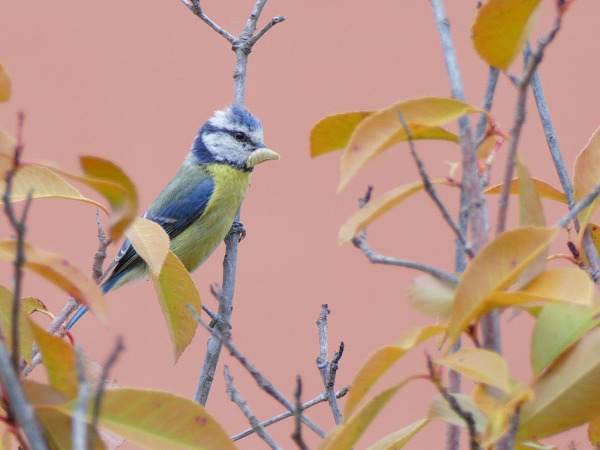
[
  {"x": 158, "y": 420},
  {"x": 558, "y": 327},
  {"x": 25, "y": 333},
  {"x": 59, "y": 361},
  {"x": 567, "y": 395},
  {"x": 398, "y": 439}
]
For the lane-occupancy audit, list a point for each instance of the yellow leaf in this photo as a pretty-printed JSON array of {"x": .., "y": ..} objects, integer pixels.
[
  {"x": 499, "y": 411},
  {"x": 59, "y": 361},
  {"x": 40, "y": 394},
  {"x": 564, "y": 284},
  {"x": 375, "y": 208},
  {"x": 495, "y": 268},
  {"x": 4, "y": 84},
  {"x": 543, "y": 189},
  {"x": 567, "y": 395},
  {"x": 175, "y": 289},
  {"x": 481, "y": 365},
  {"x": 150, "y": 242},
  {"x": 398, "y": 439},
  {"x": 158, "y": 420},
  {"x": 530, "y": 207},
  {"x": 333, "y": 132},
  {"x": 346, "y": 434},
  {"x": 61, "y": 273},
  {"x": 382, "y": 129},
  {"x": 594, "y": 432},
  {"x": 557, "y": 328},
  {"x": 501, "y": 29},
  {"x": 32, "y": 305},
  {"x": 382, "y": 359},
  {"x": 586, "y": 177},
  {"x": 57, "y": 430},
  {"x": 430, "y": 296},
  {"x": 44, "y": 184},
  {"x": 439, "y": 409},
  {"x": 25, "y": 333}
]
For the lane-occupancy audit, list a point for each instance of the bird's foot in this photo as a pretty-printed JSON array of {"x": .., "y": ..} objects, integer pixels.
[{"x": 238, "y": 227}]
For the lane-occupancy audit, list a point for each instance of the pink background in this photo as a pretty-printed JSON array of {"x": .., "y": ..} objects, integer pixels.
[{"x": 133, "y": 81}]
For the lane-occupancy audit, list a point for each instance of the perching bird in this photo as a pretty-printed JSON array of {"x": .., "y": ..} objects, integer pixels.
[{"x": 198, "y": 206}]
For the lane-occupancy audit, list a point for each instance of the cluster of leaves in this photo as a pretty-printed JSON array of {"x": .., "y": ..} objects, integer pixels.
[
  {"x": 508, "y": 272},
  {"x": 147, "y": 420}
]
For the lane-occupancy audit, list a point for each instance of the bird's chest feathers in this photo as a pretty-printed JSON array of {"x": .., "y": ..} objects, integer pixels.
[{"x": 208, "y": 232}]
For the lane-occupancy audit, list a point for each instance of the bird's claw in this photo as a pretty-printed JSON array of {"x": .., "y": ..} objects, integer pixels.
[{"x": 238, "y": 227}]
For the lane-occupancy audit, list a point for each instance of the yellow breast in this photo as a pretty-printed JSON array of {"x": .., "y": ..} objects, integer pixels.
[{"x": 200, "y": 240}]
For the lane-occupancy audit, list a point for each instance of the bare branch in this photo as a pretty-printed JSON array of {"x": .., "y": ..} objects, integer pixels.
[
  {"x": 327, "y": 370},
  {"x": 261, "y": 381},
  {"x": 242, "y": 47},
  {"x": 235, "y": 397},
  {"x": 465, "y": 415},
  {"x": 522, "y": 85},
  {"x": 194, "y": 6},
  {"x": 103, "y": 377},
  {"x": 297, "y": 434},
  {"x": 360, "y": 242},
  {"x": 323, "y": 397},
  {"x": 79, "y": 425},
  {"x": 431, "y": 190}
]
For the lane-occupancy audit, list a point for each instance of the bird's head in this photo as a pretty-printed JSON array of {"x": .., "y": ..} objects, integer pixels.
[{"x": 232, "y": 136}]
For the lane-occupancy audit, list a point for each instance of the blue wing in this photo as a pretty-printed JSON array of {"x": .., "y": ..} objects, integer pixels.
[{"x": 175, "y": 217}]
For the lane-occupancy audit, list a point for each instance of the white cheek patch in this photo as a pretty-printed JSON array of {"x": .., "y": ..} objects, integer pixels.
[{"x": 224, "y": 148}]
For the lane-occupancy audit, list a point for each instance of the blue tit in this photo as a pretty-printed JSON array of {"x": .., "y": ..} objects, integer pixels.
[{"x": 199, "y": 205}]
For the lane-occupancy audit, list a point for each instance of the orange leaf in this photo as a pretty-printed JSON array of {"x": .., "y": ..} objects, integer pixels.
[
  {"x": 382, "y": 359},
  {"x": 61, "y": 273},
  {"x": 5, "y": 87},
  {"x": 586, "y": 177},
  {"x": 382, "y": 129},
  {"x": 376, "y": 208},
  {"x": 543, "y": 189},
  {"x": 333, "y": 132},
  {"x": 495, "y": 268}
]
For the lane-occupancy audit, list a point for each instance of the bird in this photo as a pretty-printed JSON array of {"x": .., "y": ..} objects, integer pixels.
[{"x": 198, "y": 207}]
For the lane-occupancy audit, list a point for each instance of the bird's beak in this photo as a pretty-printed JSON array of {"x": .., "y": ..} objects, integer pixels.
[{"x": 260, "y": 155}]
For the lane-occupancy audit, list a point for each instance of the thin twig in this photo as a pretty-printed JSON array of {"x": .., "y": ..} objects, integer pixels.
[
  {"x": 563, "y": 175},
  {"x": 522, "y": 86},
  {"x": 582, "y": 204},
  {"x": 360, "y": 242},
  {"x": 297, "y": 434},
  {"x": 431, "y": 190},
  {"x": 79, "y": 426},
  {"x": 465, "y": 415},
  {"x": 235, "y": 397},
  {"x": 242, "y": 47},
  {"x": 73, "y": 304},
  {"x": 18, "y": 225},
  {"x": 471, "y": 184},
  {"x": 261, "y": 381},
  {"x": 323, "y": 397},
  {"x": 327, "y": 370},
  {"x": 101, "y": 383}
]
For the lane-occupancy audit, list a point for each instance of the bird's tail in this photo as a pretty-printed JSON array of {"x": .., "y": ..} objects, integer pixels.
[{"x": 106, "y": 286}]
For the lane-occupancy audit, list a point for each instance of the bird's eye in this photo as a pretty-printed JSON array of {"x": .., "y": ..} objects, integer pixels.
[{"x": 239, "y": 136}]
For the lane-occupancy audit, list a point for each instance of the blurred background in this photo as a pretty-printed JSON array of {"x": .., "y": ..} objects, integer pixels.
[{"x": 133, "y": 81}]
